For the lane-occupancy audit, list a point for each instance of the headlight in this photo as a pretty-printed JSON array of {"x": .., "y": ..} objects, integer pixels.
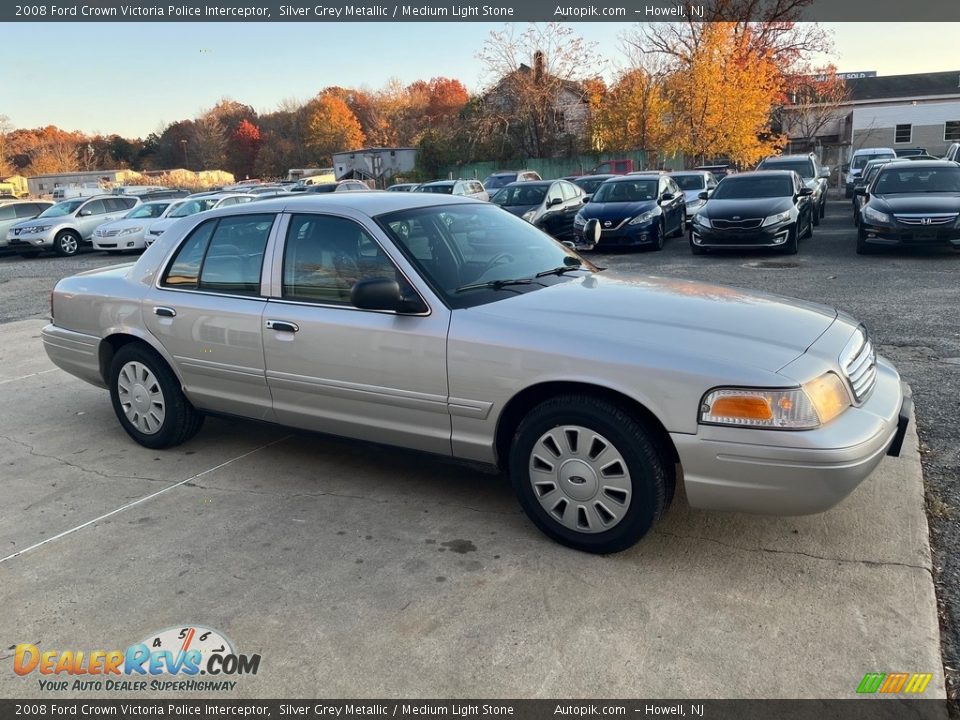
[
  {"x": 643, "y": 217},
  {"x": 816, "y": 403},
  {"x": 777, "y": 219},
  {"x": 875, "y": 216},
  {"x": 529, "y": 214},
  {"x": 701, "y": 220},
  {"x": 37, "y": 229},
  {"x": 131, "y": 230},
  {"x": 579, "y": 220}
]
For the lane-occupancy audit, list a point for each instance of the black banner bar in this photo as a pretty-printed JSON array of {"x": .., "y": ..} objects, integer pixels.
[
  {"x": 466, "y": 11},
  {"x": 204, "y": 709}
]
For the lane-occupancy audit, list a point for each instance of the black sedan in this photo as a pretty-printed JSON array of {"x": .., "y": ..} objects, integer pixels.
[
  {"x": 766, "y": 208},
  {"x": 915, "y": 203},
  {"x": 590, "y": 183},
  {"x": 549, "y": 205}
]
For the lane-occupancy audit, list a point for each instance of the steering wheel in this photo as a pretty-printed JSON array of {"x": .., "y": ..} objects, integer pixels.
[{"x": 496, "y": 260}]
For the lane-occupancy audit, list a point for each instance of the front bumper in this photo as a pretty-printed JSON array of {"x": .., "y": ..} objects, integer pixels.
[
  {"x": 795, "y": 473},
  {"x": 773, "y": 236},
  {"x": 623, "y": 236},
  {"x": 44, "y": 239},
  {"x": 901, "y": 234}
]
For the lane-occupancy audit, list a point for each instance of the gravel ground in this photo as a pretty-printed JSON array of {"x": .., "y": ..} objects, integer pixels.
[{"x": 907, "y": 298}]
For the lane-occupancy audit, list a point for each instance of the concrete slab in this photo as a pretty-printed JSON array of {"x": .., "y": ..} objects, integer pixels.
[{"x": 362, "y": 572}]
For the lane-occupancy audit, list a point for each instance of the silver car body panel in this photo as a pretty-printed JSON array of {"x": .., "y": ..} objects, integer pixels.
[{"x": 440, "y": 381}]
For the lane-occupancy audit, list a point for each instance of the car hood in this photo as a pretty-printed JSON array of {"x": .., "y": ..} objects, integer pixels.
[
  {"x": 681, "y": 318},
  {"x": 749, "y": 208},
  {"x": 158, "y": 226},
  {"x": 124, "y": 223},
  {"x": 921, "y": 202},
  {"x": 616, "y": 211},
  {"x": 40, "y": 222}
]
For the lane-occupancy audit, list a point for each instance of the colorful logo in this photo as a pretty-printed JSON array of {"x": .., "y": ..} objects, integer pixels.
[
  {"x": 184, "y": 652},
  {"x": 894, "y": 683}
]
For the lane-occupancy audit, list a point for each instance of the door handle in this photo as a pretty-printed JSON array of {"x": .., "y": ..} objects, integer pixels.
[
  {"x": 282, "y": 326},
  {"x": 164, "y": 311}
]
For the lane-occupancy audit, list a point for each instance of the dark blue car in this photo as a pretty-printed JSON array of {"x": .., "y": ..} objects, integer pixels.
[{"x": 639, "y": 210}]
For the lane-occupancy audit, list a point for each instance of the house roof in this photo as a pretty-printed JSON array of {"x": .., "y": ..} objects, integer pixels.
[{"x": 899, "y": 86}]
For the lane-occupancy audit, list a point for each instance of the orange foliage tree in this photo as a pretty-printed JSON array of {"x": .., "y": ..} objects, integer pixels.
[{"x": 332, "y": 127}]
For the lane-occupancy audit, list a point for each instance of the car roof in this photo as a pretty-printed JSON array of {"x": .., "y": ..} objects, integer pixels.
[
  {"x": 370, "y": 204},
  {"x": 864, "y": 151},
  {"x": 689, "y": 172},
  {"x": 440, "y": 182},
  {"x": 795, "y": 156},
  {"x": 530, "y": 183},
  {"x": 604, "y": 176},
  {"x": 633, "y": 176},
  {"x": 759, "y": 173},
  {"x": 920, "y": 164}
]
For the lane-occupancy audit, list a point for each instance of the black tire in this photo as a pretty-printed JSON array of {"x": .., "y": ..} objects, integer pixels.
[
  {"x": 791, "y": 246},
  {"x": 180, "y": 420},
  {"x": 815, "y": 215},
  {"x": 696, "y": 249},
  {"x": 66, "y": 243},
  {"x": 648, "y": 464},
  {"x": 823, "y": 209},
  {"x": 863, "y": 247},
  {"x": 682, "y": 226},
  {"x": 661, "y": 235},
  {"x": 847, "y": 193},
  {"x": 809, "y": 231}
]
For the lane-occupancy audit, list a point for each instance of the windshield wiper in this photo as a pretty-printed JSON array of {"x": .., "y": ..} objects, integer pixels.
[
  {"x": 494, "y": 284},
  {"x": 559, "y": 270}
]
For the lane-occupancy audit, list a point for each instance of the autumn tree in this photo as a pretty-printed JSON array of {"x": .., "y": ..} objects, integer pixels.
[
  {"x": 210, "y": 142},
  {"x": 536, "y": 104},
  {"x": 719, "y": 99},
  {"x": 812, "y": 102},
  {"x": 45, "y": 150},
  {"x": 6, "y": 167},
  {"x": 332, "y": 127},
  {"x": 631, "y": 114},
  {"x": 244, "y": 145}
]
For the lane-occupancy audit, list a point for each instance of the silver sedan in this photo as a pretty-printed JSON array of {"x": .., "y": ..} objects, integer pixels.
[{"x": 446, "y": 325}]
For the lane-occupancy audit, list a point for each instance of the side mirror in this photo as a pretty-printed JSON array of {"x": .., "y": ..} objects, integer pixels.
[
  {"x": 805, "y": 192},
  {"x": 384, "y": 294},
  {"x": 667, "y": 197},
  {"x": 862, "y": 191},
  {"x": 85, "y": 212},
  {"x": 824, "y": 173},
  {"x": 704, "y": 195},
  {"x": 586, "y": 198},
  {"x": 554, "y": 201}
]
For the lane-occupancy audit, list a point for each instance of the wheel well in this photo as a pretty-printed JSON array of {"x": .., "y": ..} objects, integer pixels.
[
  {"x": 109, "y": 347},
  {"x": 524, "y": 401}
]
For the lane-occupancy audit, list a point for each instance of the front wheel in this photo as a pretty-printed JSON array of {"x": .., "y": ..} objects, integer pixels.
[
  {"x": 589, "y": 474},
  {"x": 148, "y": 400},
  {"x": 66, "y": 243},
  {"x": 791, "y": 246},
  {"x": 661, "y": 235},
  {"x": 863, "y": 247}
]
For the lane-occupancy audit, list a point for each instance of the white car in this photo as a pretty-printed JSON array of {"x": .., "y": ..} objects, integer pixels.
[
  {"x": 129, "y": 232},
  {"x": 192, "y": 206}
]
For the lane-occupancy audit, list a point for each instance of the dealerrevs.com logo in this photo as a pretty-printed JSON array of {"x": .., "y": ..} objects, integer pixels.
[{"x": 172, "y": 659}]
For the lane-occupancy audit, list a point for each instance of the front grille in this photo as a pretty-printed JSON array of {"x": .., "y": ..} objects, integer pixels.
[
  {"x": 859, "y": 363},
  {"x": 920, "y": 219},
  {"x": 105, "y": 233},
  {"x": 748, "y": 224}
]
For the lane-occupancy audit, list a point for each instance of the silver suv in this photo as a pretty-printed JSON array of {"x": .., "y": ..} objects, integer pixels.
[
  {"x": 64, "y": 227},
  {"x": 466, "y": 188},
  {"x": 15, "y": 211}
]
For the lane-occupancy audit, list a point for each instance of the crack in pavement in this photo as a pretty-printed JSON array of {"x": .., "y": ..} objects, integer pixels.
[
  {"x": 32, "y": 451},
  {"x": 775, "y": 551},
  {"x": 348, "y": 497}
]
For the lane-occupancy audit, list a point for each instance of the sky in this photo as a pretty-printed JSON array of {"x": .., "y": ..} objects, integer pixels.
[{"x": 135, "y": 78}]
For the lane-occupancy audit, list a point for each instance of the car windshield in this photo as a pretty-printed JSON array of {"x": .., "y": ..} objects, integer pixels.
[
  {"x": 439, "y": 189},
  {"x": 861, "y": 160},
  {"x": 193, "y": 206},
  {"x": 522, "y": 194},
  {"x": 150, "y": 210},
  {"x": 61, "y": 209},
  {"x": 477, "y": 253},
  {"x": 498, "y": 181},
  {"x": 803, "y": 168},
  {"x": 690, "y": 182},
  {"x": 920, "y": 180},
  {"x": 757, "y": 186},
  {"x": 590, "y": 186},
  {"x": 626, "y": 191}
]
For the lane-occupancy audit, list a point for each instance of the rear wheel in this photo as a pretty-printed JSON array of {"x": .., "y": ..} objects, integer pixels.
[
  {"x": 66, "y": 243},
  {"x": 589, "y": 474},
  {"x": 148, "y": 400}
]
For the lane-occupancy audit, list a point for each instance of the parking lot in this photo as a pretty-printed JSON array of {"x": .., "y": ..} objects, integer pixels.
[{"x": 363, "y": 571}]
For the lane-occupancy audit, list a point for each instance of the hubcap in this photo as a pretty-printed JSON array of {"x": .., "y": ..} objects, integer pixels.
[
  {"x": 141, "y": 397},
  {"x": 68, "y": 243},
  {"x": 580, "y": 479}
]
